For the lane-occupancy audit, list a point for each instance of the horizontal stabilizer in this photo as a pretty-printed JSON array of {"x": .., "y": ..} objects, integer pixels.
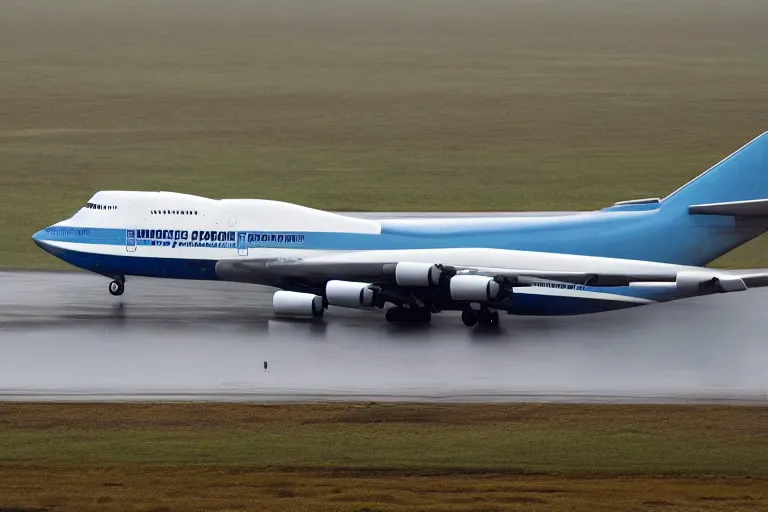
[{"x": 755, "y": 208}]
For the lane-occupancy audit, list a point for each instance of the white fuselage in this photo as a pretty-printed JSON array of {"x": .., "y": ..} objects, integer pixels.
[
  {"x": 171, "y": 235},
  {"x": 179, "y": 226}
]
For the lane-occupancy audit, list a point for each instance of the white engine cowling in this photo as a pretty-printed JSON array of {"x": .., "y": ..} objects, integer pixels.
[
  {"x": 417, "y": 274},
  {"x": 297, "y": 304},
  {"x": 349, "y": 294},
  {"x": 475, "y": 288},
  {"x": 693, "y": 282}
]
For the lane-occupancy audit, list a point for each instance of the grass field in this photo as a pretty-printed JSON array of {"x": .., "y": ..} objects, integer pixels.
[
  {"x": 356, "y": 457},
  {"x": 366, "y": 105}
]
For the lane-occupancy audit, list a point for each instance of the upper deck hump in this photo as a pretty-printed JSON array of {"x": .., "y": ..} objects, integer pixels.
[
  {"x": 283, "y": 216},
  {"x": 262, "y": 214}
]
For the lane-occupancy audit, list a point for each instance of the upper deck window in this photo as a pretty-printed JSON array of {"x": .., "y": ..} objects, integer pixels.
[
  {"x": 94, "y": 206},
  {"x": 173, "y": 212}
]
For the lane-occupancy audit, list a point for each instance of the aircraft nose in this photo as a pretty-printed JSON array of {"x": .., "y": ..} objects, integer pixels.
[{"x": 39, "y": 239}]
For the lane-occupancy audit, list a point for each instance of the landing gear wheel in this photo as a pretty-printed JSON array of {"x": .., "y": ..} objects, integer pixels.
[
  {"x": 116, "y": 287},
  {"x": 393, "y": 315},
  {"x": 469, "y": 318},
  {"x": 422, "y": 316},
  {"x": 487, "y": 318},
  {"x": 400, "y": 315}
]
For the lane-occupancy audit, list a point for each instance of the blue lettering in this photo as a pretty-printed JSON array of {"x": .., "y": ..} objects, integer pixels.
[{"x": 221, "y": 239}]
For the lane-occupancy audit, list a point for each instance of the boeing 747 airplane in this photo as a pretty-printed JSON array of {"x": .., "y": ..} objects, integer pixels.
[{"x": 630, "y": 254}]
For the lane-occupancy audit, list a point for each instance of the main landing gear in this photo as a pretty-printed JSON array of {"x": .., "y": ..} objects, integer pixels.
[
  {"x": 117, "y": 287},
  {"x": 482, "y": 318},
  {"x": 408, "y": 316}
]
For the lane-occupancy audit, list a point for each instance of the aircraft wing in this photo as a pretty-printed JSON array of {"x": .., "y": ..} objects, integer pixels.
[
  {"x": 417, "y": 288},
  {"x": 274, "y": 271},
  {"x": 316, "y": 272}
]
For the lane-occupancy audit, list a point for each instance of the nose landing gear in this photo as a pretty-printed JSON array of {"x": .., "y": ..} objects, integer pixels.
[{"x": 117, "y": 287}]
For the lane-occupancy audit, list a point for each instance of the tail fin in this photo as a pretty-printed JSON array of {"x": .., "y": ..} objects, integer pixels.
[
  {"x": 719, "y": 210},
  {"x": 742, "y": 176}
]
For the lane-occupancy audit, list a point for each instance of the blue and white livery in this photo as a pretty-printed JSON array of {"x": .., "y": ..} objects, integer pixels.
[{"x": 632, "y": 253}]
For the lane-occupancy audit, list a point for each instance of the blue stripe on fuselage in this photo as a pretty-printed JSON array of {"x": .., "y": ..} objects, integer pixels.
[{"x": 144, "y": 266}]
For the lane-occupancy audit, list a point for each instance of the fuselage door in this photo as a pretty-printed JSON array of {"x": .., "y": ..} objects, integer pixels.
[
  {"x": 242, "y": 244},
  {"x": 130, "y": 240}
]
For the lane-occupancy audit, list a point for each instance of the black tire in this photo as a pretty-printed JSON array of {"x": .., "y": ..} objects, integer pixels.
[
  {"x": 422, "y": 316},
  {"x": 393, "y": 315},
  {"x": 487, "y": 318},
  {"x": 469, "y": 318},
  {"x": 400, "y": 315},
  {"x": 116, "y": 288}
]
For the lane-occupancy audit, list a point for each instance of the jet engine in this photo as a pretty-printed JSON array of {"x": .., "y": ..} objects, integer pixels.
[
  {"x": 694, "y": 282},
  {"x": 475, "y": 288},
  {"x": 407, "y": 273},
  {"x": 287, "y": 303},
  {"x": 350, "y": 294}
]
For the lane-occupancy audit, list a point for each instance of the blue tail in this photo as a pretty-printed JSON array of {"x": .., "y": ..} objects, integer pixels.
[
  {"x": 742, "y": 176},
  {"x": 697, "y": 236},
  {"x": 707, "y": 217}
]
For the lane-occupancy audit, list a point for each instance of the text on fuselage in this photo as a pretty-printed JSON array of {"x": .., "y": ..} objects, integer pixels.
[{"x": 209, "y": 238}]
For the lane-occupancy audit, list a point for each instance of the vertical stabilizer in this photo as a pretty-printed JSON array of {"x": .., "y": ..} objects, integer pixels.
[{"x": 741, "y": 176}]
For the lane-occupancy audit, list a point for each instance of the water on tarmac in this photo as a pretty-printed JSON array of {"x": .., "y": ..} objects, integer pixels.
[{"x": 62, "y": 336}]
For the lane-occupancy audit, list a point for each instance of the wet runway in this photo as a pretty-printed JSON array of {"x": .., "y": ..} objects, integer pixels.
[{"x": 63, "y": 337}]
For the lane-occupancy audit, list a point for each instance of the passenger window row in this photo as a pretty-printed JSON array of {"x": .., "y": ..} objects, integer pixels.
[
  {"x": 174, "y": 212},
  {"x": 93, "y": 206}
]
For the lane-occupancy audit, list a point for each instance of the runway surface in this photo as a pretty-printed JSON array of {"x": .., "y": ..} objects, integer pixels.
[{"x": 63, "y": 337}]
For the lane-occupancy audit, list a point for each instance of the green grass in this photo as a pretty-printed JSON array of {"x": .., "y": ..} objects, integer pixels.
[
  {"x": 580, "y": 439},
  {"x": 384, "y": 457},
  {"x": 500, "y": 447},
  {"x": 350, "y": 105}
]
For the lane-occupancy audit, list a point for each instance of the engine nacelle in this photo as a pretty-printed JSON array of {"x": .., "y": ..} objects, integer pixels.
[
  {"x": 349, "y": 294},
  {"x": 475, "y": 288},
  {"x": 287, "y": 303},
  {"x": 407, "y": 273},
  {"x": 694, "y": 282}
]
